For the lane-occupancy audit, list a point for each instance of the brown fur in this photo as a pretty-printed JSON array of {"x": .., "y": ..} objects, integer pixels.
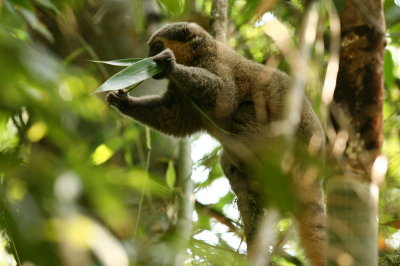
[
  {"x": 244, "y": 99},
  {"x": 183, "y": 53}
]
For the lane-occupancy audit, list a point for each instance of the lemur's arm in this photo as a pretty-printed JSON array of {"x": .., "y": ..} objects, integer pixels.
[
  {"x": 164, "y": 113},
  {"x": 205, "y": 88}
]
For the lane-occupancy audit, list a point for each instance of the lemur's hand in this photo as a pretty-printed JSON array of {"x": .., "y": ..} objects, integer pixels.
[
  {"x": 119, "y": 99},
  {"x": 165, "y": 59}
]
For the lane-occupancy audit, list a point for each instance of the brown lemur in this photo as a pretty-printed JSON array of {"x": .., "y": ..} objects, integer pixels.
[{"x": 244, "y": 99}]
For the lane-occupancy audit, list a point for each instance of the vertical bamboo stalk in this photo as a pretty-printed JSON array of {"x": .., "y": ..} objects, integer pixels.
[{"x": 184, "y": 185}]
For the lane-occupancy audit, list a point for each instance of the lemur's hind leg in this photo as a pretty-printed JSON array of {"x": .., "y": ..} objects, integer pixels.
[{"x": 249, "y": 204}]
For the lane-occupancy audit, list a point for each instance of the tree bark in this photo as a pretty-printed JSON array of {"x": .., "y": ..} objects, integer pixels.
[{"x": 356, "y": 113}]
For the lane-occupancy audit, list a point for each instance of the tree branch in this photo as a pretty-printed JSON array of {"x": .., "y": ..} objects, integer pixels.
[{"x": 219, "y": 19}]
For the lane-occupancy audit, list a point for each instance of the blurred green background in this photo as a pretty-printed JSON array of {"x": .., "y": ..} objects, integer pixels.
[{"x": 82, "y": 185}]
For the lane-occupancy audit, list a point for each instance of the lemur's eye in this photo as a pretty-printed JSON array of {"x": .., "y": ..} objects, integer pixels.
[{"x": 157, "y": 46}]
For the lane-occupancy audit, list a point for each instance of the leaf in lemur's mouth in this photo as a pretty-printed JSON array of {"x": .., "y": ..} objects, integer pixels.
[
  {"x": 120, "y": 62},
  {"x": 137, "y": 71}
]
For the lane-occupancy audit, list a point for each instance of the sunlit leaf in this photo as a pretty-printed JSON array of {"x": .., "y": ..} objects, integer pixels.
[
  {"x": 388, "y": 69},
  {"x": 173, "y": 6},
  {"x": 131, "y": 75},
  {"x": 17, "y": 190},
  {"x": 148, "y": 138},
  {"x": 101, "y": 154},
  {"x": 170, "y": 176},
  {"x": 248, "y": 11},
  {"x": 37, "y": 131},
  {"x": 48, "y": 4},
  {"x": 120, "y": 62}
]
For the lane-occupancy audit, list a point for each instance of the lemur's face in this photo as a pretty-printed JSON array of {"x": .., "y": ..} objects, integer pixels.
[
  {"x": 155, "y": 48},
  {"x": 180, "y": 37}
]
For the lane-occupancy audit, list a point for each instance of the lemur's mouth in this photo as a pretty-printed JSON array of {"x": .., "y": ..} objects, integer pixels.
[{"x": 159, "y": 76}]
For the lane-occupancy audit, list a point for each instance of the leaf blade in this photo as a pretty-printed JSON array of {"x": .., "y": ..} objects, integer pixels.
[
  {"x": 170, "y": 176},
  {"x": 131, "y": 75},
  {"x": 119, "y": 62}
]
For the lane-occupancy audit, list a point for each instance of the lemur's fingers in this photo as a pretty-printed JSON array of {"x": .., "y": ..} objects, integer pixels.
[
  {"x": 123, "y": 92},
  {"x": 165, "y": 57},
  {"x": 118, "y": 99}
]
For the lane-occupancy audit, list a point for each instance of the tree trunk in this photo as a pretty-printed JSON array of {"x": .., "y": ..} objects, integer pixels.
[{"x": 357, "y": 118}]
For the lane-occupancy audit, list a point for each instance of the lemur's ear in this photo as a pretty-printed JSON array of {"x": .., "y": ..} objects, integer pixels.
[
  {"x": 188, "y": 32},
  {"x": 179, "y": 33},
  {"x": 194, "y": 31}
]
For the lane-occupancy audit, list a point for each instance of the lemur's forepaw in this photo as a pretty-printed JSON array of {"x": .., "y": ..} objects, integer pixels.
[
  {"x": 166, "y": 59},
  {"x": 119, "y": 99}
]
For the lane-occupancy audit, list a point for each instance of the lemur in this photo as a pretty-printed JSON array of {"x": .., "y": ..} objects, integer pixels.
[{"x": 244, "y": 99}]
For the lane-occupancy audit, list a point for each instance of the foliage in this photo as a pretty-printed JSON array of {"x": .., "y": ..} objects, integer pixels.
[{"x": 78, "y": 182}]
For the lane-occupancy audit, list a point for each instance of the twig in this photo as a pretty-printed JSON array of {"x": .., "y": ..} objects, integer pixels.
[
  {"x": 220, "y": 217},
  {"x": 15, "y": 251},
  {"x": 200, "y": 242},
  {"x": 259, "y": 252},
  {"x": 334, "y": 49},
  {"x": 146, "y": 176}
]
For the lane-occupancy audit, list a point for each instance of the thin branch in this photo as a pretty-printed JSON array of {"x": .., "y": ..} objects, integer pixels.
[
  {"x": 219, "y": 19},
  {"x": 184, "y": 184},
  {"x": 144, "y": 186},
  {"x": 220, "y": 217},
  {"x": 334, "y": 49},
  {"x": 259, "y": 253},
  {"x": 8, "y": 234}
]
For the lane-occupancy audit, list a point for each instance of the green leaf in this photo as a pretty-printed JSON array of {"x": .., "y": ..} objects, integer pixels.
[
  {"x": 148, "y": 138},
  {"x": 120, "y": 62},
  {"x": 74, "y": 54},
  {"x": 101, "y": 154},
  {"x": 131, "y": 75},
  {"x": 170, "y": 176},
  {"x": 105, "y": 151},
  {"x": 173, "y": 6},
  {"x": 48, "y": 4},
  {"x": 35, "y": 23},
  {"x": 388, "y": 67},
  {"x": 248, "y": 11}
]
